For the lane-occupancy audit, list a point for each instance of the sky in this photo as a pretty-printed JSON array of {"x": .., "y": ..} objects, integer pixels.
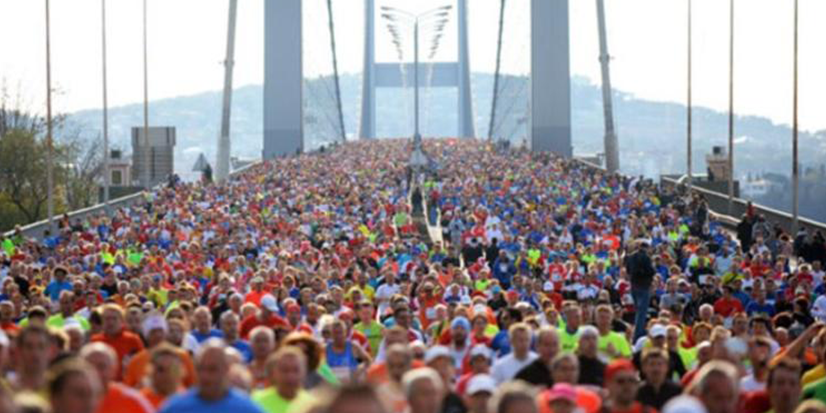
[{"x": 647, "y": 41}]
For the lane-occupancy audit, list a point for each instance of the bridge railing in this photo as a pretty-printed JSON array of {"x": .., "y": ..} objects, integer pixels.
[
  {"x": 718, "y": 203},
  {"x": 36, "y": 229}
]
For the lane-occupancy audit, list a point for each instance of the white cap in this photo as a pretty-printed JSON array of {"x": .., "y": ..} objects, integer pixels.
[
  {"x": 435, "y": 352},
  {"x": 481, "y": 383},
  {"x": 268, "y": 302},
  {"x": 480, "y": 350},
  {"x": 154, "y": 322},
  {"x": 658, "y": 331}
]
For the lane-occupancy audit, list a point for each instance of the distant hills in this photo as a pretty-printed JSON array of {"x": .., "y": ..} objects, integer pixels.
[{"x": 651, "y": 134}]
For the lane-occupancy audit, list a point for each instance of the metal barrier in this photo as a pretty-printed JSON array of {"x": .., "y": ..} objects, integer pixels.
[
  {"x": 36, "y": 229},
  {"x": 718, "y": 204}
]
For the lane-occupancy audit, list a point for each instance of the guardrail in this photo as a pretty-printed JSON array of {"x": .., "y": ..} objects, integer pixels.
[
  {"x": 718, "y": 204},
  {"x": 36, "y": 229}
]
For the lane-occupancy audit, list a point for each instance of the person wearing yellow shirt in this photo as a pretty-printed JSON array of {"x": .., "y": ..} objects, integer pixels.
[
  {"x": 610, "y": 344},
  {"x": 287, "y": 369},
  {"x": 569, "y": 334}
]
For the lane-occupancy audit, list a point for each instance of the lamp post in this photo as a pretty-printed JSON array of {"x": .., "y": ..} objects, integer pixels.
[{"x": 434, "y": 19}]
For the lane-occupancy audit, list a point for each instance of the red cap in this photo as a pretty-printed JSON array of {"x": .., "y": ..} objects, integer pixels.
[{"x": 618, "y": 366}]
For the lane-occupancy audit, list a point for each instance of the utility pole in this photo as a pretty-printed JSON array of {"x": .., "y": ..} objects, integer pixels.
[
  {"x": 147, "y": 161},
  {"x": 611, "y": 145},
  {"x": 731, "y": 111},
  {"x": 106, "y": 180},
  {"x": 49, "y": 142},
  {"x": 688, "y": 168},
  {"x": 795, "y": 160},
  {"x": 224, "y": 144}
]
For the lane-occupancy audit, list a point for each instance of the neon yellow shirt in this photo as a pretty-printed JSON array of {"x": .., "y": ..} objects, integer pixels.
[
  {"x": 619, "y": 342},
  {"x": 272, "y": 402}
]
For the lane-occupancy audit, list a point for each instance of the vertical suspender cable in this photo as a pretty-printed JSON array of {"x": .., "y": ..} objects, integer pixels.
[
  {"x": 343, "y": 136},
  {"x": 731, "y": 111},
  {"x": 496, "y": 71},
  {"x": 49, "y": 142}
]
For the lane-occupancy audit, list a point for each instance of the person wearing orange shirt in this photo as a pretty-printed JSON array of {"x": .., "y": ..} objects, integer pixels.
[
  {"x": 155, "y": 329},
  {"x": 125, "y": 344},
  {"x": 257, "y": 291},
  {"x": 165, "y": 375},
  {"x": 116, "y": 396}
]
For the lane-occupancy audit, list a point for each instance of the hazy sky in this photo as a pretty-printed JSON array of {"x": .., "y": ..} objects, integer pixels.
[{"x": 647, "y": 39}]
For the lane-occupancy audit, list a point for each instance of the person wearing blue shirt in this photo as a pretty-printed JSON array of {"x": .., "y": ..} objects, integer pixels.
[
  {"x": 58, "y": 284},
  {"x": 213, "y": 393},
  {"x": 231, "y": 327},
  {"x": 503, "y": 269},
  {"x": 759, "y": 304}
]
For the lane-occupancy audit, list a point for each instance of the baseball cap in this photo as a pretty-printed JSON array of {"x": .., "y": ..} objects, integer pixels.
[
  {"x": 658, "y": 331},
  {"x": 436, "y": 352},
  {"x": 154, "y": 322},
  {"x": 480, "y": 350},
  {"x": 481, "y": 383},
  {"x": 562, "y": 391},
  {"x": 460, "y": 322},
  {"x": 268, "y": 302}
]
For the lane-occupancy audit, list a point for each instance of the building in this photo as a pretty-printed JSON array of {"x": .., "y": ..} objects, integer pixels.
[{"x": 153, "y": 156}]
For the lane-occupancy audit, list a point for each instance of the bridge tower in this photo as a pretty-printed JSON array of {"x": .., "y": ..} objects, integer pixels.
[{"x": 386, "y": 75}]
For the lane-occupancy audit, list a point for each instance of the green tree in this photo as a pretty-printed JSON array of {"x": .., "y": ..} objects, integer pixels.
[{"x": 23, "y": 173}]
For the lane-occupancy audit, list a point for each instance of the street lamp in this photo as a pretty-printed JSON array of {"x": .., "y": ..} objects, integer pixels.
[{"x": 434, "y": 20}]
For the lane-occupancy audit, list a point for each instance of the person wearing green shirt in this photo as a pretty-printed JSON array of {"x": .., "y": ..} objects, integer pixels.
[
  {"x": 610, "y": 344},
  {"x": 569, "y": 334},
  {"x": 66, "y": 314},
  {"x": 286, "y": 369},
  {"x": 368, "y": 326}
]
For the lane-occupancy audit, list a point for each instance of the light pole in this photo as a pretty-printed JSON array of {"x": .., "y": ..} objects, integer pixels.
[
  {"x": 106, "y": 182},
  {"x": 435, "y": 19},
  {"x": 796, "y": 164},
  {"x": 49, "y": 142}
]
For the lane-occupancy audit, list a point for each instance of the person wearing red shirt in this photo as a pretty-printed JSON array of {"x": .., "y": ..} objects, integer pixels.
[
  {"x": 266, "y": 316},
  {"x": 257, "y": 292},
  {"x": 728, "y": 305},
  {"x": 125, "y": 343},
  {"x": 116, "y": 397}
]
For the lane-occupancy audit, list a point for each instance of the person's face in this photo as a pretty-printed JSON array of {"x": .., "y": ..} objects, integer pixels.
[
  {"x": 784, "y": 391},
  {"x": 34, "y": 354},
  {"x": 112, "y": 322},
  {"x": 623, "y": 386},
  {"x": 521, "y": 406},
  {"x": 175, "y": 335},
  {"x": 588, "y": 345},
  {"x": 229, "y": 326},
  {"x": 573, "y": 316},
  {"x": 80, "y": 394},
  {"x": 521, "y": 342},
  {"x": 566, "y": 371},
  {"x": 398, "y": 363},
  {"x": 6, "y": 312},
  {"x": 104, "y": 365},
  {"x": 721, "y": 395},
  {"x": 166, "y": 373},
  {"x": 604, "y": 319},
  {"x": 672, "y": 338},
  {"x": 212, "y": 372},
  {"x": 425, "y": 397},
  {"x": 67, "y": 303},
  {"x": 288, "y": 375},
  {"x": 403, "y": 318},
  {"x": 655, "y": 369},
  {"x": 478, "y": 403},
  {"x": 339, "y": 333},
  {"x": 563, "y": 406},
  {"x": 202, "y": 321},
  {"x": 155, "y": 337},
  {"x": 262, "y": 345},
  {"x": 459, "y": 335},
  {"x": 547, "y": 345}
]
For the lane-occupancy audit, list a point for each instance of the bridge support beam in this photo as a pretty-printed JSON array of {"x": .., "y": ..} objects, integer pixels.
[
  {"x": 550, "y": 77},
  {"x": 283, "y": 79}
]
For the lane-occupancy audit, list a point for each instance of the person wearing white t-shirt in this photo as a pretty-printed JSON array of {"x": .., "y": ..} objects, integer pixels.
[
  {"x": 508, "y": 366},
  {"x": 387, "y": 291}
]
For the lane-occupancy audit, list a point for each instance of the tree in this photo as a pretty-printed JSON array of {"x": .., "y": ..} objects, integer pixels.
[
  {"x": 83, "y": 162},
  {"x": 23, "y": 172}
]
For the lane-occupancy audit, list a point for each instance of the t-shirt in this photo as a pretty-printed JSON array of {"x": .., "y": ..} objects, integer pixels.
[
  {"x": 191, "y": 402},
  {"x": 125, "y": 343},
  {"x": 373, "y": 332},
  {"x": 568, "y": 342},
  {"x": 816, "y": 373},
  {"x": 272, "y": 402},
  {"x": 120, "y": 398},
  {"x": 57, "y": 321},
  {"x": 816, "y": 390},
  {"x": 619, "y": 342},
  {"x": 213, "y": 333},
  {"x": 506, "y": 367}
]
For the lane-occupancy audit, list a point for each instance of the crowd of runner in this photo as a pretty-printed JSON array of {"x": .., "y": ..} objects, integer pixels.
[{"x": 306, "y": 284}]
